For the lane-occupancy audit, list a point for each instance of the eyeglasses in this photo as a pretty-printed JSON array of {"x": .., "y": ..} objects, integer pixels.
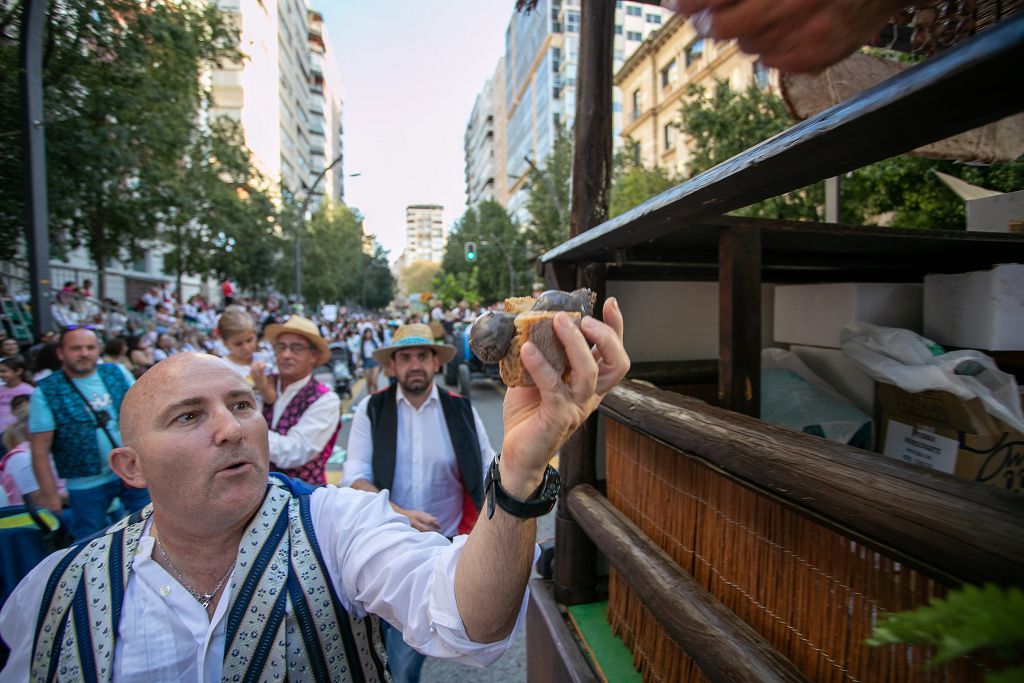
[{"x": 294, "y": 348}]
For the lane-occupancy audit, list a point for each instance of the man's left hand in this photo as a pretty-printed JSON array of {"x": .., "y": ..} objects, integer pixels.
[{"x": 540, "y": 418}]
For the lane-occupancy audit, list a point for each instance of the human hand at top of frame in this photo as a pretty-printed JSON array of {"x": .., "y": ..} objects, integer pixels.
[{"x": 795, "y": 36}]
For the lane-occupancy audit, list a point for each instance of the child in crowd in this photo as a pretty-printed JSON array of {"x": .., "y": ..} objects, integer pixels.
[
  {"x": 16, "y": 475},
  {"x": 238, "y": 333},
  {"x": 13, "y": 375}
]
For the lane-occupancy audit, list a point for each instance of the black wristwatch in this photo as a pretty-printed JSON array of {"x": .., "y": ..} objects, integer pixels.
[{"x": 539, "y": 503}]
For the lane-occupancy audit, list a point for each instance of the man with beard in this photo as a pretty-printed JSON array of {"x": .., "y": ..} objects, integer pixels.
[
  {"x": 74, "y": 415},
  {"x": 234, "y": 575},
  {"x": 427, "y": 446}
]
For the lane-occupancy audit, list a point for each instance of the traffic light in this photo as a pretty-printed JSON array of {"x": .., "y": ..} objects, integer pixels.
[{"x": 470, "y": 248}]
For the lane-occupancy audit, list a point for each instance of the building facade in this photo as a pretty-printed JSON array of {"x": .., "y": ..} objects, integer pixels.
[
  {"x": 541, "y": 61},
  {"x": 654, "y": 80},
  {"x": 484, "y": 143},
  {"x": 294, "y": 130},
  {"x": 425, "y": 237}
]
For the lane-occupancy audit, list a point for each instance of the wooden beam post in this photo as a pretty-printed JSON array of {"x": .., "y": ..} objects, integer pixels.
[
  {"x": 575, "y": 554},
  {"x": 739, "y": 320}
]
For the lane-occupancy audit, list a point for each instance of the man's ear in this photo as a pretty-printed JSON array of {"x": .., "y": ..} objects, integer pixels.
[{"x": 126, "y": 464}]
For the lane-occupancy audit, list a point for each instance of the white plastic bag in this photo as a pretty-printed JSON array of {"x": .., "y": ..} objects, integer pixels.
[{"x": 915, "y": 364}]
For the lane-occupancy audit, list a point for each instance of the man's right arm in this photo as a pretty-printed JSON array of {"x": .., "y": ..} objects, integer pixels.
[{"x": 47, "y": 495}]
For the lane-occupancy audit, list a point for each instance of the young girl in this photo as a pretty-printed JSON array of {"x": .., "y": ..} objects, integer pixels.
[
  {"x": 239, "y": 336},
  {"x": 371, "y": 368},
  {"x": 12, "y": 374}
]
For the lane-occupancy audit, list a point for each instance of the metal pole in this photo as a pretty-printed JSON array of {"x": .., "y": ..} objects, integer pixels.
[
  {"x": 833, "y": 210},
  {"x": 30, "y": 56}
]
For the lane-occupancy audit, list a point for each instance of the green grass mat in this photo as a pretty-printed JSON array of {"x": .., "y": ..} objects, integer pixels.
[{"x": 612, "y": 658}]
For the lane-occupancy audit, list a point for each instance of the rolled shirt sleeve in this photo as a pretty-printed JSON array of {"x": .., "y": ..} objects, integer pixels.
[
  {"x": 379, "y": 564},
  {"x": 307, "y": 439}
]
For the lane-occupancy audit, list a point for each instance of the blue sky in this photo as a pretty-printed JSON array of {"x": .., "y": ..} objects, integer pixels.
[{"x": 410, "y": 70}]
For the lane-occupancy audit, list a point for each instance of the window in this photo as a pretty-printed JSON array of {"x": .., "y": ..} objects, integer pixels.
[
  {"x": 669, "y": 74},
  {"x": 761, "y": 75},
  {"x": 694, "y": 51},
  {"x": 634, "y": 35},
  {"x": 637, "y": 100},
  {"x": 618, "y": 29},
  {"x": 572, "y": 22},
  {"x": 669, "y": 135},
  {"x": 634, "y": 11},
  {"x": 653, "y": 18}
]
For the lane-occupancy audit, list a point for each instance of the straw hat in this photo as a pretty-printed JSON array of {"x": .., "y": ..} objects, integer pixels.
[
  {"x": 303, "y": 327},
  {"x": 412, "y": 336}
]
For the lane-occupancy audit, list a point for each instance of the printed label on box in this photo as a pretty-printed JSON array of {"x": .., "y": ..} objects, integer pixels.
[{"x": 920, "y": 446}]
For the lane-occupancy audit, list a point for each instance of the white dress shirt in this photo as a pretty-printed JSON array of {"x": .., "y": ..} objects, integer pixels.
[
  {"x": 375, "y": 560},
  {"x": 306, "y": 439},
  {"x": 426, "y": 473}
]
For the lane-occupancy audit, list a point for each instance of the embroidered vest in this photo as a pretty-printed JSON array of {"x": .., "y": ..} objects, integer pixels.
[
  {"x": 382, "y": 410},
  {"x": 312, "y": 471},
  {"x": 75, "y": 450},
  {"x": 284, "y": 619}
]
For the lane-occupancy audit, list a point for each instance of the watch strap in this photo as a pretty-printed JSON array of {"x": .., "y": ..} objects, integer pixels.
[{"x": 539, "y": 503}]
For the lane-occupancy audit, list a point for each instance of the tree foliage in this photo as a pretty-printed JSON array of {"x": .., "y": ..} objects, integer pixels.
[
  {"x": 724, "y": 122},
  {"x": 222, "y": 221},
  {"x": 549, "y": 190},
  {"x": 377, "y": 284},
  {"x": 500, "y": 244},
  {"x": 968, "y": 620},
  {"x": 332, "y": 256},
  {"x": 418, "y": 276},
  {"x": 633, "y": 184},
  {"x": 128, "y": 156},
  {"x": 901, "y": 191}
]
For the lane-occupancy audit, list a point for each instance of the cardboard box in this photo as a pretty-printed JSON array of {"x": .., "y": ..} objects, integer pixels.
[
  {"x": 813, "y": 315},
  {"x": 979, "y": 310},
  {"x": 936, "y": 429}
]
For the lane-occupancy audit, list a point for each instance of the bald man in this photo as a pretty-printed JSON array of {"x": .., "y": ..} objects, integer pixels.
[{"x": 232, "y": 575}]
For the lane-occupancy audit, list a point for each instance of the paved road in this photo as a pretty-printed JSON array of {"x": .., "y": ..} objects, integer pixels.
[{"x": 511, "y": 668}]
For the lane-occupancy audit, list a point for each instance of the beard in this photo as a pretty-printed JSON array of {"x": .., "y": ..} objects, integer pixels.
[{"x": 415, "y": 383}]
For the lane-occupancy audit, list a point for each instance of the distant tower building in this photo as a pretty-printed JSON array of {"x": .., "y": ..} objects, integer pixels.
[
  {"x": 541, "y": 55},
  {"x": 293, "y": 128},
  {"x": 484, "y": 145},
  {"x": 424, "y": 233}
]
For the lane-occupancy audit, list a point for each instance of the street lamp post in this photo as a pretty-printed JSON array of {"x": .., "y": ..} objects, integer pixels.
[
  {"x": 302, "y": 222},
  {"x": 33, "y": 21}
]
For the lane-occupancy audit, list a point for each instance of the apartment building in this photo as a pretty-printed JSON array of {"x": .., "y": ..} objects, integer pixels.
[
  {"x": 293, "y": 130},
  {"x": 485, "y": 145},
  {"x": 541, "y": 61},
  {"x": 425, "y": 237},
  {"x": 654, "y": 80}
]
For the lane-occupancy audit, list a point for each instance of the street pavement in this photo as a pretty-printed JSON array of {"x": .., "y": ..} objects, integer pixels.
[{"x": 511, "y": 668}]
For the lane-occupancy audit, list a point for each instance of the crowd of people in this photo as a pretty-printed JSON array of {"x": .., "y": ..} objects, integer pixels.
[{"x": 64, "y": 425}]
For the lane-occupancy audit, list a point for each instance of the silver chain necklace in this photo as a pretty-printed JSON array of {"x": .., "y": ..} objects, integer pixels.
[{"x": 204, "y": 598}]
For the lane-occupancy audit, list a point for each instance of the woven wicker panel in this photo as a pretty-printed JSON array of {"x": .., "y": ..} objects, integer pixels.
[{"x": 812, "y": 593}]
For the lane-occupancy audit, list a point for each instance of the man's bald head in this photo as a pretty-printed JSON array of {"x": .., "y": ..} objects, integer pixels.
[
  {"x": 194, "y": 436},
  {"x": 148, "y": 396}
]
